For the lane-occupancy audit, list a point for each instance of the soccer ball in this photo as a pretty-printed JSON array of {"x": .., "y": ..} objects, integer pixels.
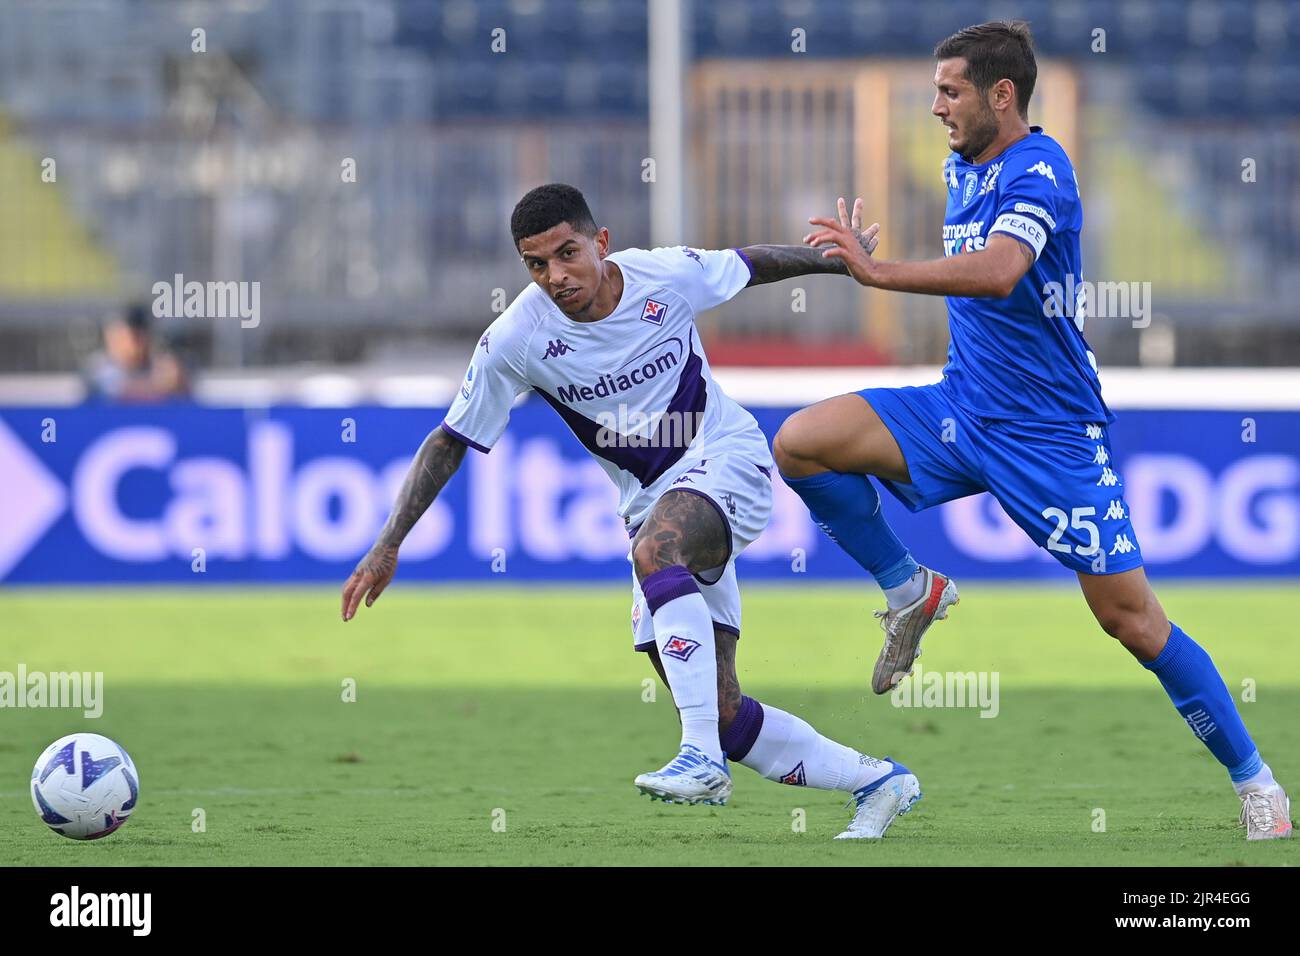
[{"x": 84, "y": 786}]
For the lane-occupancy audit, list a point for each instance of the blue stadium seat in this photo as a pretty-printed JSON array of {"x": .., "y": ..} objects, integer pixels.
[
  {"x": 612, "y": 30},
  {"x": 902, "y": 28},
  {"x": 868, "y": 27},
  {"x": 1226, "y": 93},
  {"x": 467, "y": 88},
  {"x": 622, "y": 89},
  {"x": 1236, "y": 27},
  {"x": 940, "y": 20},
  {"x": 829, "y": 29}
]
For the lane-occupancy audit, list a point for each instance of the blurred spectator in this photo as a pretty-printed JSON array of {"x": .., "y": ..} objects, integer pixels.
[{"x": 133, "y": 367}]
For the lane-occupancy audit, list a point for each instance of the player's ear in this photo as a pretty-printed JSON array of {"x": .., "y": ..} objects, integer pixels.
[
  {"x": 1004, "y": 95},
  {"x": 602, "y": 242}
]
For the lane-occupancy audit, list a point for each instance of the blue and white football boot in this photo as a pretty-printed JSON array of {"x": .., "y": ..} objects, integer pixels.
[
  {"x": 880, "y": 802},
  {"x": 690, "y": 777}
]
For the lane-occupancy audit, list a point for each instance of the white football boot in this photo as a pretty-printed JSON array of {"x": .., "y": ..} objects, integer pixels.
[
  {"x": 905, "y": 626},
  {"x": 690, "y": 777},
  {"x": 1266, "y": 813},
  {"x": 880, "y": 802}
]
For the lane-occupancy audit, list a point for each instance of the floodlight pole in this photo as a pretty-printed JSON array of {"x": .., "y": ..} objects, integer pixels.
[{"x": 667, "y": 87}]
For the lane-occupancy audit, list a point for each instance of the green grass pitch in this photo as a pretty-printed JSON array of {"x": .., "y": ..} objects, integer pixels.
[{"x": 504, "y": 725}]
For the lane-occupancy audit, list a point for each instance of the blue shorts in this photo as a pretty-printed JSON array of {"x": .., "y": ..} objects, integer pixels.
[{"x": 1054, "y": 480}]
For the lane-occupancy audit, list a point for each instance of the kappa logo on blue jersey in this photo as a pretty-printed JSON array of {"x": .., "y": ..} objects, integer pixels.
[
  {"x": 1043, "y": 169},
  {"x": 681, "y": 648},
  {"x": 654, "y": 312},
  {"x": 556, "y": 348}
]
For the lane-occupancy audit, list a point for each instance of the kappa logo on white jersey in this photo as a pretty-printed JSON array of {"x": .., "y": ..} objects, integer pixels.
[
  {"x": 1123, "y": 545},
  {"x": 654, "y": 312},
  {"x": 1043, "y": 169},
  {"x": 557, "y": 348},
  {"x": 1116, "y": 510}
]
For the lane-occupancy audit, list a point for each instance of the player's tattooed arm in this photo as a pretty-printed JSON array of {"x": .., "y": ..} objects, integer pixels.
[
  {"x": 774, "y": 263},
  {"x": 434, "y": 464},
  {"x": 436, "y": 461}
]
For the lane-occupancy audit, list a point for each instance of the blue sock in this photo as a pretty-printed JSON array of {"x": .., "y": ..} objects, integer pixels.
[
  {"x": 1190, "y": 679},
  {"x": 847, "y": 507}
]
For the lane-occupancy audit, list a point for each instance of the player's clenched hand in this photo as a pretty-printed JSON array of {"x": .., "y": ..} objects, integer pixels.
[
  {"x": 847, "y": 240},
  {"x": 369, "y": 579}
]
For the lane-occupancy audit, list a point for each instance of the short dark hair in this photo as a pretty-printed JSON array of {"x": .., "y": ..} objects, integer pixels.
[
  {"x": 546, "y": 207},
  {"x": 998, "y": 50}
]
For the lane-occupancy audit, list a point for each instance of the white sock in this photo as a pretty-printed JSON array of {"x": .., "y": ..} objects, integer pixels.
[
  {"x": 684, "y": 636},
  {"x": 789, "y": 750},
  {"x": 1261, "y": 781},
  {"x": 901, "y": 595}
]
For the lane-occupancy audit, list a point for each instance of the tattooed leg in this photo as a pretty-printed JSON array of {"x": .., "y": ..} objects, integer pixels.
[
  {"x": 729, "y": 696},
  {"x": 683, "y": 529},
  {"x": 684, "y": 533}
]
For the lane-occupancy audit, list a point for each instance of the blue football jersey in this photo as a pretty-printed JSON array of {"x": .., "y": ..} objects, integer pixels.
[{"x": 1023, "y": 357}]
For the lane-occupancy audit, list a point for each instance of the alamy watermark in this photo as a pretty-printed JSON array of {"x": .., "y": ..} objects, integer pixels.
[
  {"x": 632, "y": 428},
  {"x": 974, "y": 689},
  {"x": 208, "y": 300},
  {"x": 82, "y": 690},
  {"x": 1079, "y": 299}
]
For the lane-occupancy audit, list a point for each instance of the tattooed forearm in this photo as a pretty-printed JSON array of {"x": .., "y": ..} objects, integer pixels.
[
  {"x": 434, "y": 464},
  {"x": 774, "y": 263}
]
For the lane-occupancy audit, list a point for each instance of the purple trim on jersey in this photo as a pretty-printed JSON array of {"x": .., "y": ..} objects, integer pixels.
[
  {"x": 459, "y": 437},
  {"x": 745, "y": 259},
  {"x": 646, "y": 464},
  {"x": 643, "y": 648},
  {"x": 744, "y": 730},
  {"x": 667, "y": 584}
]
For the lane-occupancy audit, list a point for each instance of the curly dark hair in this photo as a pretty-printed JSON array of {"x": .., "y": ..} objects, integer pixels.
[{"x": 546, "y": 207}]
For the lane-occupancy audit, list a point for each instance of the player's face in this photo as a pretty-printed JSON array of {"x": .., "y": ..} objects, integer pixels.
[
  {"x": 972, "y": 124},
  {"x": 567, "y": 265}
]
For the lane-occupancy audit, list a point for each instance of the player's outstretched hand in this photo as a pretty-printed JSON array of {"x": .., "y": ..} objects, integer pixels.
[
  {"x": 847, "y": 240},
  {"x": 369, "y": 579}
]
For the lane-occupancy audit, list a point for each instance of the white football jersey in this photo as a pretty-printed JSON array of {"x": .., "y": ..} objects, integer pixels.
[{"x": 634, "y": 387}]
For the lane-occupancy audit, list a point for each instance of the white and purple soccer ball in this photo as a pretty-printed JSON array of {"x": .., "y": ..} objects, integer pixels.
[{"x": 84, "y": 786}]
